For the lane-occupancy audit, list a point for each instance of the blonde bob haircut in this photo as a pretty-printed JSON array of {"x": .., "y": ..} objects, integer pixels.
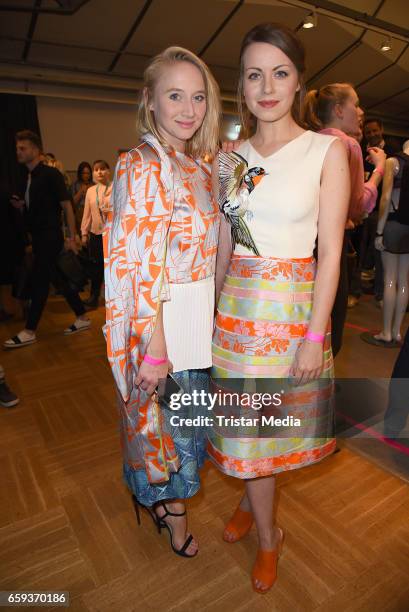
[{"x": 206, "y": 140}]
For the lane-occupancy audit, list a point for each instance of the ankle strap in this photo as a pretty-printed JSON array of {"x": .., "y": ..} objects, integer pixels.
[{"x": 168, "y": 512}]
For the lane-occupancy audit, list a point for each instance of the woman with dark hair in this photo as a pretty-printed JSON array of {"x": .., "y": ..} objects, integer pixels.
[
  {"x": 334, "y": 110},
  {"x": 79, "y": 189},
  {"x": 282, "y": 188}
]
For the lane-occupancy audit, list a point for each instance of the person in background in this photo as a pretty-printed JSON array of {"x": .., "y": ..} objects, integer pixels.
[
  {"x": 397, "y": 411},
  {"x": 374, "y": 136},
  {"x": 8, "y": 399},
  {"x": 45, "y": 196},
  {"x": 334, "y": 109},
  {"x": 53, "y": 162},
  {"x": 11, "y": 251},
  {"x": 79, "y": 190},
  {"x": 49, "y": 159},
  {"x": 353, "y": 236},
  {"x": 369, "y": 257},
  {"x": 92, "y": 225},
  {"x": 358, "y": 133}
]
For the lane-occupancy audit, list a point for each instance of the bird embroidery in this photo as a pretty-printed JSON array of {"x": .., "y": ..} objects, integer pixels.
[{"x": 236, "y": 184}]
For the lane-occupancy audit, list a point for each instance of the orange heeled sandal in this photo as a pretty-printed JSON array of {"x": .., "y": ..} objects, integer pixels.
[
  {"x": 265, "y": 567},
  {"x": 238, "y": 526}
]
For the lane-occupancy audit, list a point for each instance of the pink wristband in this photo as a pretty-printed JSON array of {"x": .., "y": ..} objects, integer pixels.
[
  {"x": 380, "y": 171},
  {"x": 153, "y": 361},
  {"x": 318, "y": 338}
]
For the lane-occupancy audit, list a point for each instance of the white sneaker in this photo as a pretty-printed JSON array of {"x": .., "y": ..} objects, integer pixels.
[
  {"x": 77, "y": 326},
  {"x": 21, "y": 339}
]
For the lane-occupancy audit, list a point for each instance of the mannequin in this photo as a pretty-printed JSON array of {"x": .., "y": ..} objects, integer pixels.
[{"x": 395, "y": 259}]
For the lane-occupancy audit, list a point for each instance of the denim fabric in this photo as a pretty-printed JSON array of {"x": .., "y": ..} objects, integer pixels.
[{"x": 190, "y": 446}]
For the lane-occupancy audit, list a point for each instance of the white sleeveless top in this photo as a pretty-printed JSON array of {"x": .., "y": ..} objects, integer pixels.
[{"x": 282, "y": 214}]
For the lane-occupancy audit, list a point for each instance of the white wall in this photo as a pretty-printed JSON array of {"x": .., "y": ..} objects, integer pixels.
[{"x": 77, "y": 130}]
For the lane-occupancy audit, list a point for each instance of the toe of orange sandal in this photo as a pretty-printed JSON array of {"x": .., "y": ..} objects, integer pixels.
[
  {"x": 230, "y": 535},
  {"x": 265, "y": 570},
  {"x": 238, "y": 526}
]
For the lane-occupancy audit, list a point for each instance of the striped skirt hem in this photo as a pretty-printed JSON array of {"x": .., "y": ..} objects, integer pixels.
[{"x": 263, "y": 315}]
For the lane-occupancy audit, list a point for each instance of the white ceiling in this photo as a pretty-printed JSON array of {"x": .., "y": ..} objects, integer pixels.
[{"x": 103, "y": 45}]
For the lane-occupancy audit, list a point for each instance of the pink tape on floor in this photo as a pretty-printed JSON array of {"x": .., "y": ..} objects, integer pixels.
[{"x": 374, "y": 434}]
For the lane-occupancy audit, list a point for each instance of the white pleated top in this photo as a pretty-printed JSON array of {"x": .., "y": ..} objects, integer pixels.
[
  {"x": 188, "y": 324},
  {"x": 189, "y": 312}
]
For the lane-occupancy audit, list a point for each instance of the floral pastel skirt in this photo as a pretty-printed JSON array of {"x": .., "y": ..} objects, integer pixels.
[{"x": 263, "y": 315}]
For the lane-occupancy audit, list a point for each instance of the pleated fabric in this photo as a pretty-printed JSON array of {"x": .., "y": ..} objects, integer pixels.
[{"x": 188, "y": 319}]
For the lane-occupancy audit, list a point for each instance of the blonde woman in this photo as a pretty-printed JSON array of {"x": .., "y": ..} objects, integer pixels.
[
  {"x": 335, "y": 110},
  {"x": 160, "y": 248}
]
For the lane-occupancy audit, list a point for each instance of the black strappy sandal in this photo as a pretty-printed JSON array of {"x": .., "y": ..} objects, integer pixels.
[
  {"x": 160, "y": 524},
  {"x": 151, "y": 512},
  {"x": 163, "y": 524}
]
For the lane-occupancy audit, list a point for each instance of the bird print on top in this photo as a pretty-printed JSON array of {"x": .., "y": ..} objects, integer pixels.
[{"x": 237, "y": 181}]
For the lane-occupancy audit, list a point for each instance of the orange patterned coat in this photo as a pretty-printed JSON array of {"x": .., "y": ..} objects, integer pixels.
[{"x": 136, "y": 280}]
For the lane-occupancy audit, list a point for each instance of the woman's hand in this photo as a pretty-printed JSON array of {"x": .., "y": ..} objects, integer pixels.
[
  {"x": 149, "y": 375},
  {"x": 308, "y": 363},
  {"x": 379, "y": 245},
  {"x": 84, "y": 240},
  {"x": 377, "y": 157},
  {"x": 228, "y": 146}
]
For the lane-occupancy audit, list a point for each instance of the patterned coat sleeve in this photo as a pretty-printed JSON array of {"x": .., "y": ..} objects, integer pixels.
[
  {"x": 135, "y": 249},
  {"x": 135, "y": 254}
]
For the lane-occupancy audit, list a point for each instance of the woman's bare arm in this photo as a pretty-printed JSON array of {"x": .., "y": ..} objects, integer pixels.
[{"x": 334, "y": 201}]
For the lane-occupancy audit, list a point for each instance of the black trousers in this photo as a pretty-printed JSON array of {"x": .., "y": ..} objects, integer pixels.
[
  {"x": 397, "y": 412},
  {"x": 46, "y": 249},
  {"x": 368, "y": 257},
  {"x": 339, "y": 310},
  {"x": 96, "y": 254}
]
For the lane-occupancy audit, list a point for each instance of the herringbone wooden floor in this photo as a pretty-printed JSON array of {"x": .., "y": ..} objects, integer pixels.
[{"x": 66, "y": 521}]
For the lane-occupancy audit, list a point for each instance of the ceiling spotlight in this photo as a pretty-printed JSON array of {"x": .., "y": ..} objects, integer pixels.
[
  {"x": 386, "y": 45},
  {"x": 310, "y": 21}
]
